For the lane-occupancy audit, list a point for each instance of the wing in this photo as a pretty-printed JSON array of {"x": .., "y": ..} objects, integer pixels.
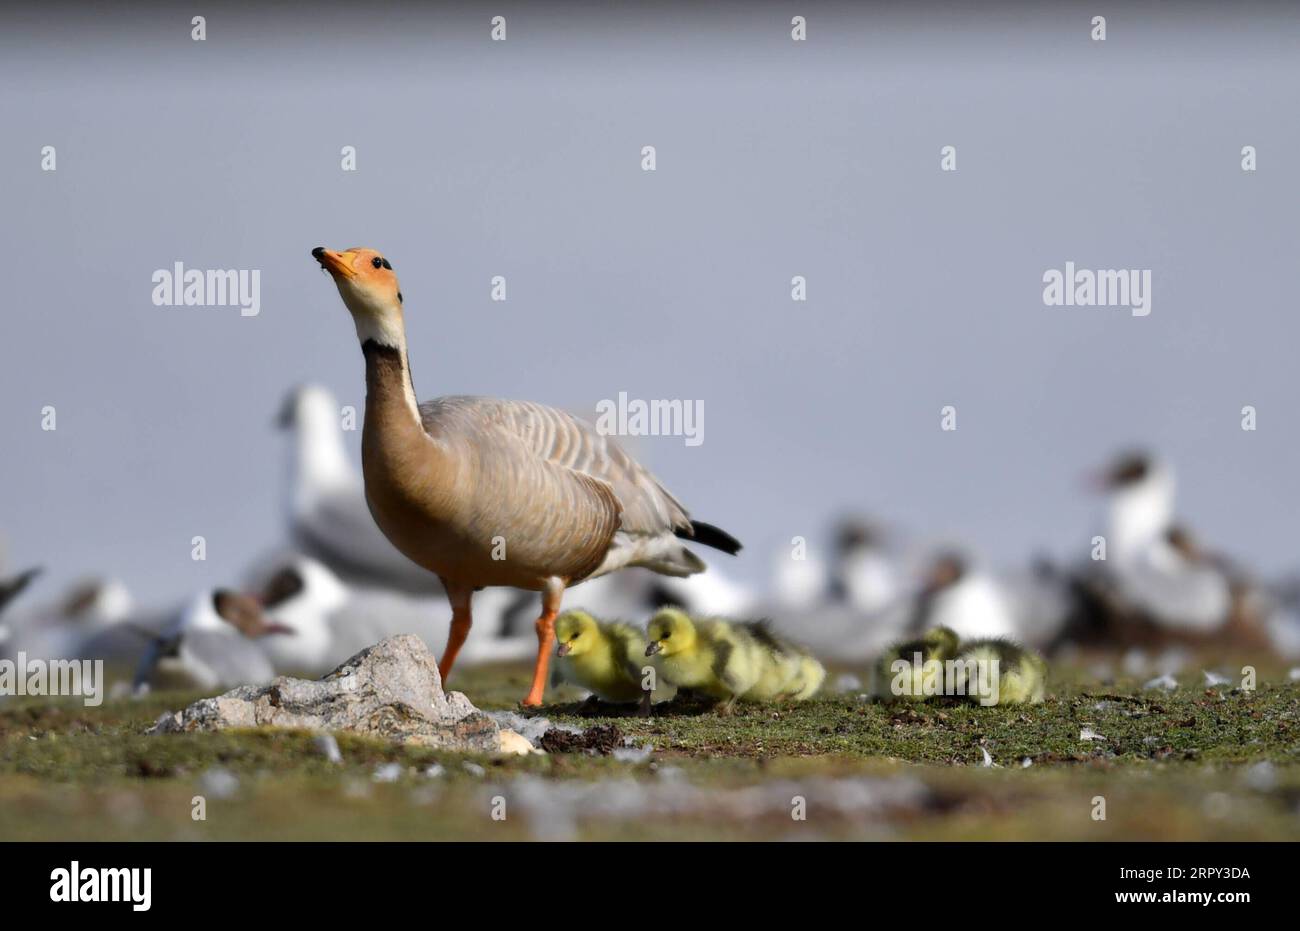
[
  {"x": 629, "y": 648},
  {"x": 573, "y": 444},
  {"x": 722, "y": 652}
]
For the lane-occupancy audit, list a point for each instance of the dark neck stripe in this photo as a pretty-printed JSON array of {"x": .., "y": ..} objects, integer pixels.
[{"x": 372, "y": 349}]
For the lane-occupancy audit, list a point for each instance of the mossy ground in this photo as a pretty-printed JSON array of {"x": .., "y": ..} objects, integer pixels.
[{"x": 1196, "y": 763}]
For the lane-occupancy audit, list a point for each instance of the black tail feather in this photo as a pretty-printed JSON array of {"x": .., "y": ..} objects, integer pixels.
[{"x": 710, "y": 535}]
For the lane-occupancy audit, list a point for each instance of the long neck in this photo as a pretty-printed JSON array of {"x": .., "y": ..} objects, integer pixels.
[
  {"x": 390, "y": 396},
  {"x": 403, "y": 465}
]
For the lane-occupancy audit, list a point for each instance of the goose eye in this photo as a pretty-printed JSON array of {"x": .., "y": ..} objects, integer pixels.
[{"x": 377, "y": 262}]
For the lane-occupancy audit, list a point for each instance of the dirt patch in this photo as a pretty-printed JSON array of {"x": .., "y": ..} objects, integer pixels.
[{"x": 601, "y": 739}]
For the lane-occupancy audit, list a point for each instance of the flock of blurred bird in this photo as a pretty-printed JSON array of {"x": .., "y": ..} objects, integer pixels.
[{"x": 1142, "y": 583}]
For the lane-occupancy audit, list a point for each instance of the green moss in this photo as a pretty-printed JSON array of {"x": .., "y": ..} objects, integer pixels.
[{"x": 1171, "y": 765}]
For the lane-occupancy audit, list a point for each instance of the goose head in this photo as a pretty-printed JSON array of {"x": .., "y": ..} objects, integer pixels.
[{"x": 369, "y": 289}]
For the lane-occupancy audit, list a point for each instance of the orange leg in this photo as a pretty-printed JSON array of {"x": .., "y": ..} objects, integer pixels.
[
  {"x": 461, "y": 621},
  {"x": 551, "y": 597}
]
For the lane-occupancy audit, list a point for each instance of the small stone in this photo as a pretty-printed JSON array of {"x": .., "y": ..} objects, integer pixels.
[
  {"x": 633, "y": 754},
  {"x": 328, "y": 747},
  {"x": 516, "y": 744},
  {"x": 1166, "y": 682},
  {"x": 1262, "y": 777},
  {"x": 219, "y": 783}
]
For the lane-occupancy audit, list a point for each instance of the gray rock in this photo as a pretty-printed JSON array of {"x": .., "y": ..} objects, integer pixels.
[{"x": 391, "y": 690}]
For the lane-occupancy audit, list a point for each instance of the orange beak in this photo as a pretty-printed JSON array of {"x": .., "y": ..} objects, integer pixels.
[{"x": 333, "y": 262}]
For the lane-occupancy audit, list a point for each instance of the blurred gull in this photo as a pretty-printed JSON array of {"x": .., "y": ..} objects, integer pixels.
[
  {"x": 332, "y": 621},
  {"x": 971, "y": 603},
  {"x": 800, "y": 581},
  {"x": 11, "y": 588},
  {"x": 711, "y": 593},
  {"x": 211, "y": 645},
  {"x": 866, "y": 575},
  {"x": 57, "y": 630},
  {"x": 328, "y": 515},
  {"x": 1140, "y": 505},
  {"x": 1155, "y": 572}
]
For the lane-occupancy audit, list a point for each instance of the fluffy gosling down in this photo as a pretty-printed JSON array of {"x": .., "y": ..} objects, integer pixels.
[
  {"x": 730, "y": 662},
  {"x": 989, "y": 671},
  {"x": 906, "y": 670},
  {"x": 1021, "y": 673},
  {"x": 605, "y": 658}
]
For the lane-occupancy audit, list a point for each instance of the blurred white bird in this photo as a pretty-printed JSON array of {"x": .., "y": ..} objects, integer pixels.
[
  {"x": 970, "y": 603},
  {"x": 11, "y": 588},
  {"x": 328, "y": 515},
  {"x": 57, "y": 630},
  {"x": 212, "y": 644},
  {"x": 1140, "y": 505},
  {"x": 866, "y": 575},
  {"x": 800, "y": 578},
  {"x": 331, "y": 621},
  {"x": 1153, "y": 566},
  {"x": 710, "y": 593}
]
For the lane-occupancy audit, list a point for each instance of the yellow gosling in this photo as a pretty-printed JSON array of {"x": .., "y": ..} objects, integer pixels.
[
  {"x": 914, "y": 669},
  {"x": 1020, "y": 677},
  {"x": 712, "y": 657},
  {"x": 605, "y": 658}
]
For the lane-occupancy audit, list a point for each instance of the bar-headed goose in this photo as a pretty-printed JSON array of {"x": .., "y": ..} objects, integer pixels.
[
  {"x": 328, "y": 517},
  {"x": 488, "y": 492}
]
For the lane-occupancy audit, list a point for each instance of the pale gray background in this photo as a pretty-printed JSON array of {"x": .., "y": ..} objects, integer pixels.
[{"x": 775, "y": 158}]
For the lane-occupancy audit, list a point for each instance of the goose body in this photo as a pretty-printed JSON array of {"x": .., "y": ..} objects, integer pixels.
[{"x": 490, "y": 492}]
